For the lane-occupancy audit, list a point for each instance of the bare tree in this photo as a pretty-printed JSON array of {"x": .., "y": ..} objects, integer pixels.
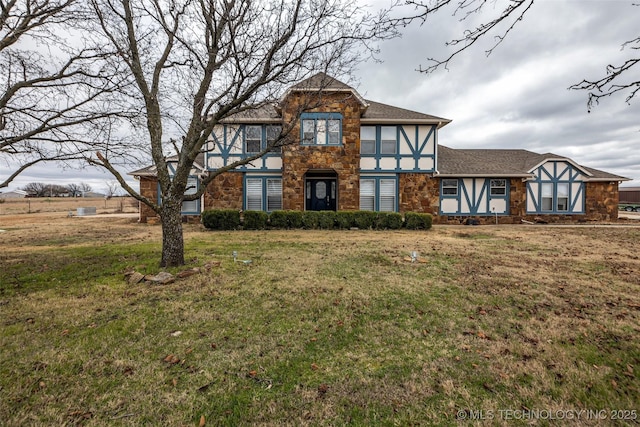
[
  {"x": 36, "y": 189},
  {"x": 74, "y": 190},
  {"x": 112, "y": 188},
  {"x": 53, "y": 96},
  {"x": 195, "y": 62},
  {"x": 499, "y": 22},
  {"x": 85, "y": 188},
  {"x": 40, "y": 189}
]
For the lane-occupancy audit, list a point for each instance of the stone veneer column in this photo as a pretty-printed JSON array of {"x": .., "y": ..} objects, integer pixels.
[
  {"x": 148, "y": 189},
  {"x": 297, "y": 160},
  {"x": 224, "y": 192},
  {"x": 601, "y": 200}
]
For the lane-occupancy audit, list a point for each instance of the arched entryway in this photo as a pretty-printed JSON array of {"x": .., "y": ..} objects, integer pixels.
[{"x": 321, "y": 190}]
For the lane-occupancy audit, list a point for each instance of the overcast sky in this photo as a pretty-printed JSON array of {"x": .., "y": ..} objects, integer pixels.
[{"x": 517, "y": 97}]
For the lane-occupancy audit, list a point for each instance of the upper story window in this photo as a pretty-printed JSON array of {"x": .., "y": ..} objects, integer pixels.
[
  {"x": 321, "y": 128},
  {"x": 449, "y": 187},
  {"x": 388, "y": 140},
  {"x": 253, "y": 139},
  {"x": 258, "y": 137},
  {"x": 378, "y": 140},
  {"x": 368, "y": 140}
]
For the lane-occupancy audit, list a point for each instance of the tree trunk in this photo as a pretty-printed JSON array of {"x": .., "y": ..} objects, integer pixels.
[{"x": 172, "y": 238}]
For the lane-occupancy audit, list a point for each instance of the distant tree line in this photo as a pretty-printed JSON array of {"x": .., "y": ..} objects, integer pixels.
[{"x": 40, "y": 189}]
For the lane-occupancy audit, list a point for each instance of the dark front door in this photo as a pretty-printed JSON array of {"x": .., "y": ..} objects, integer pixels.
[{"x": 321, "y": 195}]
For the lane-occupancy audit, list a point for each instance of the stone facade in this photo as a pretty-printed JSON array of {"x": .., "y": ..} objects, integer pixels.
[
  {"x": 418, "y": 193},
  {"x": 149, "y": 189},
  {"x": 343, "y": 160},
  {"x": 224, "y": 192},
  {"x": 602, "y": 200}
]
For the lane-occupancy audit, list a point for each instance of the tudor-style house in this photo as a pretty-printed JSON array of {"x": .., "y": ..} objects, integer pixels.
[{"x": 349, "y": 153}]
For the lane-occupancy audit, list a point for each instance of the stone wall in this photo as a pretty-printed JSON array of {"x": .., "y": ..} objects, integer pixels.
[
  {"x": 344, "y": 160},
  {"x": 148, "y": 189},
  {"x": 418, "y": 193},
  {"x": 602, "y": 200},
  {"x": 224, "y": 192}
]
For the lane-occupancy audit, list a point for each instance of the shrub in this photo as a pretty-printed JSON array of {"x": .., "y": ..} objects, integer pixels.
[
  {"x": 345, "y": 220},
  {"x": 255, "y": 220},
  {"x": 364, "y": 220},
  {"x": 278, "y": 219},
  {"x": 286, "y": 219},
  {"x": 417, "y": 221},
  {"x": 389, "y": 221},
  {"x": 311, "y": 219},
  {"x": 327, "y": 220},
  {"x": 221, "y": 219}
]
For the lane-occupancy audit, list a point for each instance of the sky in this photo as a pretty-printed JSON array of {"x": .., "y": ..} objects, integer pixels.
[{"x": 516, "y": 98}]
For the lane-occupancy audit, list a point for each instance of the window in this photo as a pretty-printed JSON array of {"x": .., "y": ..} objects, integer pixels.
[
  {"x": 563, "y": 197},
  {"x": 498, "y": 187},
  {"x": 263, "y": 194},
  {"x": 387, "y": 195},
  {"x": 449, "y": 187},
  {"x": 378, "y": 194},
  {"x": 191, "y": 206},
  {"x": 321, "y": 128},
  {"x": 386, "y": 135},
  {"x": 253, "y": 139},
  {"x": 254, "y": 194},
  {"x": 368, "y": 140},
  {"x": 273, "y": 132},
  {"x": 367, "y": 194},
  {"x": 547, "y": 197},
  {"x": 388, "y": 140}
]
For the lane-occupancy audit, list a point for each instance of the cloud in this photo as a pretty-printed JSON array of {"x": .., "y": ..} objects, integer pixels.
[{"x": 518, "y": 96}]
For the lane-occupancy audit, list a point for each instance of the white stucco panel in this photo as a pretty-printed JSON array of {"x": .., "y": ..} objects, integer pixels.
[
  {"x": 367, "y": 163},
  {"x": 215, "y": 162},
  {"x": 449, "y": 206},
  {"x": 273, "y": 163},
  {"x": 407, "y": 163},
  {"x": 410, "y": 141},
  {"x": 235, "y": 145},
  {"x": 426, "y": 164},
  {"x": 423, "y": 132},
  {"x": 388, "y": 163},
  {"x": 498, "y": 206},
  {"x": 531, "y": 207}
]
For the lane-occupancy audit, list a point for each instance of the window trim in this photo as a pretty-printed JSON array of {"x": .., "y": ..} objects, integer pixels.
[
  {"x": 264, "y": 138},
  {"x": 264, "y": 191},
  {"x": 493, "y": 187},
  {"x": 377, "y": 196},
  {"x": 325, "y": 120},
  {"x": 449, "y": 187},
  {"x": 378, "y": 141},
  {"x": 188, "y": 191}
]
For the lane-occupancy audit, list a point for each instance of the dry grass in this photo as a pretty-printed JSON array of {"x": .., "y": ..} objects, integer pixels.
[
  {"x": 322, "y": 328},
  {"x": 13, "y": 206}
]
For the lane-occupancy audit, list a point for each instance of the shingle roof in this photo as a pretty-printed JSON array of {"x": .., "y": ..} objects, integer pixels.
[
  {"x": 321, "y": 81},
  {"x": 502, "y": 163},
  {"x": 151, "y": 170},
  {"x": 265, "y": 113},
  {"x": 380, "y": 113}
]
